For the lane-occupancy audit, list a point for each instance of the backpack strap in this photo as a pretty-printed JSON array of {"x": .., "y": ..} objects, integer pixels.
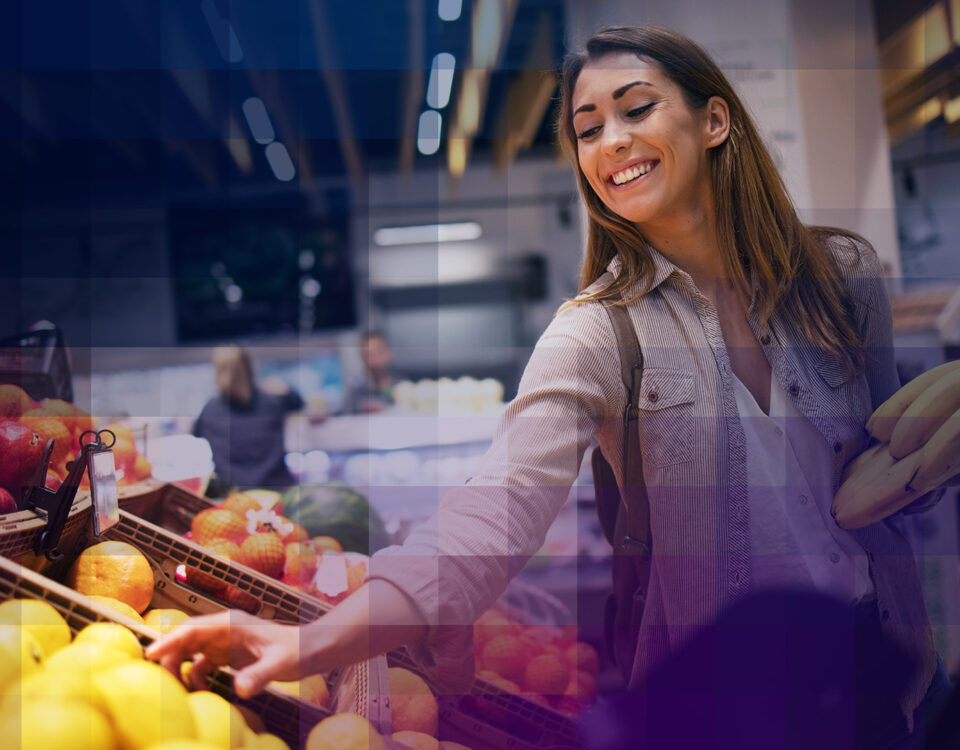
[{"x": 632, "y": 529}]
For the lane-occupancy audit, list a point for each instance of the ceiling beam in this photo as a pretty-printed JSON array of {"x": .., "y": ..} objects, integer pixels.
[
  {"x": 413, "y": 85},
  {"x": 333, "y": 80}
]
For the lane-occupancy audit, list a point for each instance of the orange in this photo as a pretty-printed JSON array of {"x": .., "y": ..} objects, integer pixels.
[
  {"x": 121, "y": 432},
  {"x": 114, "y": 569},
  {"x": 312, "y": 689},
  {"x": 546, "y": 674},
  {"x": 412, "y": 702},
  {"x": 14, "y": 401},
  {"x": 583, "y": 656},
  {"x": 164, "y": 620},
  {"x": 240, "y": 503},
  {"x": 345, "y": 732},
  {"x": 324, "y": 543},
  {"x": 416, "y": 740},
  {"x": 117, "y": 606},
  {"x": 141, "y": 468},
  {"x": 51, "y": 427},
  {"x": 505, "y": 655}
]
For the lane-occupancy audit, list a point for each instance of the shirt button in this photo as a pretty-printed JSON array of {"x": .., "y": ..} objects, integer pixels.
[
  {"x": 794, "y": 389},
  {"x": 885, "y": 615},
  {"x": 838, "y": 447},
  {"x": 803, "y": 499},
  {"x": 653, "y": 397},
  {"x": 765, "y": 339},
  {"x": 834, "y": 557}
]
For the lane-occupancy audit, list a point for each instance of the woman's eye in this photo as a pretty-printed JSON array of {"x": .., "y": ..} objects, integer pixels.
[
  {"x": 640, "y": 111},
  {"x": 588, "y": 132}
]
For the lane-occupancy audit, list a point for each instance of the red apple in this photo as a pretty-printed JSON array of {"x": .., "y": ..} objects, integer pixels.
[
  {"x": 7, "y": 503},
  {"x": 20, "y": 452}
]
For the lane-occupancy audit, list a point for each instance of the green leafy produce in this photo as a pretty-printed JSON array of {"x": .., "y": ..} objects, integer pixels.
[{"x": 336, "y": 509}]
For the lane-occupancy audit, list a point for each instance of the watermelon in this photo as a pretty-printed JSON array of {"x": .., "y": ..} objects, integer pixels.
[{"x": 336, "y": 509}]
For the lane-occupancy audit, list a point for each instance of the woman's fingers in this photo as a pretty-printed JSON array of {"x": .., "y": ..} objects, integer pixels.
[
  {"x": 201, "y": 669},
  {"x": 196, "y": 635}
]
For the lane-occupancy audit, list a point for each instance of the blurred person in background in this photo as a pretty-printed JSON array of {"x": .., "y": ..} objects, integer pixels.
[
  {"x": 373, "y": 390},
  {"x": 767, "y": 344},
  {"x": 244, "y": 424}
]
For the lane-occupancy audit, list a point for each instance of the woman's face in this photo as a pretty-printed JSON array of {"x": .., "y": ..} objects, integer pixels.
[{"x": 641, "y": 146}]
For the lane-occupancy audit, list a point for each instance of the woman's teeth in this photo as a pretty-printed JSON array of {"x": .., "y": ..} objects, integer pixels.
[{"x": 631, "y": 174}]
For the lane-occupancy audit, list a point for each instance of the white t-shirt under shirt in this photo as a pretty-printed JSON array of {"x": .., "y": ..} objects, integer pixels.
[{"x": 795, "y": 541}]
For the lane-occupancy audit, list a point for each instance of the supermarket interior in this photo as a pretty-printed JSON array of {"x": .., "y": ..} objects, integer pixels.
[{"x": 288, "y": 263}]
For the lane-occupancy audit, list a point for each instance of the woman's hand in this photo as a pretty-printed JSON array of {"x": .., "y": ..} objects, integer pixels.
[{"x": 259, "y": 649}]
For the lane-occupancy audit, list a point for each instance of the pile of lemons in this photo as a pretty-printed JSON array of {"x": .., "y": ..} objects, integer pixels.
[{"x": 96, "y": 692}]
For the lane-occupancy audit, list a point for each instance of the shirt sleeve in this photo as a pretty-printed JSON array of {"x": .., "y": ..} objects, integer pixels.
[
  {"x": 454, "y": 566},
  {"x": 875, "y": 318}
]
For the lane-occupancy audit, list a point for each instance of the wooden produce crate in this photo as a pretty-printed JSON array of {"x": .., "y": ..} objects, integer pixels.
[
  {"x": 282, "y": 714},
  {"x": 488, "y": 718},
  {"x": 165, "y": 504},
  {"x": 19, "y": 531}
]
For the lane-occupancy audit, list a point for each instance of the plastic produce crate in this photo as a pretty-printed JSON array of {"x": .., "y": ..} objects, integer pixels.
[
  {"x": 488, "y": 718},
  {"x": 282, "y": 714}
]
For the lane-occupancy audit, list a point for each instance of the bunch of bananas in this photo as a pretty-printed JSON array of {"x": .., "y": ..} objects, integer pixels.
[{"x": 916, "y": 448}]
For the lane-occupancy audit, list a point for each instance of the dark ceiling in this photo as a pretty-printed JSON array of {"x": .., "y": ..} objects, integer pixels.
[{"x": 122, "y": 97}]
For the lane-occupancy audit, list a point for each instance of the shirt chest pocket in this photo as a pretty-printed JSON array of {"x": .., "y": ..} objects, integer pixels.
[{"x": 666, "y": 405}]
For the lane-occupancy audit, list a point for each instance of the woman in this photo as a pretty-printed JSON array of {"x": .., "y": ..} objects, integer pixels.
[
  {"x": 766, "y": 343},
  {"x": 244, "y": 424}
]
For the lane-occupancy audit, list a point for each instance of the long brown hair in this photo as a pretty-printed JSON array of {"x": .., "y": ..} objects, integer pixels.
[
  {"x": 760, "y": 235},
  {"x": 234, "y": 374}
]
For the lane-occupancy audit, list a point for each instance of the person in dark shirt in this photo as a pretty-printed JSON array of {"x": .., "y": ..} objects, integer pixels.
[
  {"x": 373, "y": 391},
  {"x": 244, "y": 424}
]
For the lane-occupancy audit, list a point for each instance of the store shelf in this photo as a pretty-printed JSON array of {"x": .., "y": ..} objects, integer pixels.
[{"x": 391, "y": 431}]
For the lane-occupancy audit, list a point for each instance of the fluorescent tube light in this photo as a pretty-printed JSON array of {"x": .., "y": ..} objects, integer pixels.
[
  {"x": 441, "y": 80},
  {"x": 258, "y": 120},
  {"x": 427, "y": 233},
  {"x": 428, "y": 133},
  {"x": 449, "y": 10},
  {"x": 280, "y": 162}
]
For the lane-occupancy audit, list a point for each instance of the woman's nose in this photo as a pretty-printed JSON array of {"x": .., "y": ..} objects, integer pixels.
[{"x": 614, "y": 138}]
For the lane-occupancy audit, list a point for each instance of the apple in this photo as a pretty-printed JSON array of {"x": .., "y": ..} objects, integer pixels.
[{"x": 7, "y": 503}]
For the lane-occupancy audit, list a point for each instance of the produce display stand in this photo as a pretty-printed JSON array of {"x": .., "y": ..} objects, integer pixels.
[
  {"x": 361, "y": 688},
  {"x": 488, "y": 718},
  {"x": 282, "y": 714}
]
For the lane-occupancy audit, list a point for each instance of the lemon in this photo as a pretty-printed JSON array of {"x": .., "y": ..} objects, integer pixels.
[
  {"x": 20, "y": 654},
  {"x": 50, "y": 723},
  {"x": 164, "y": 620},
  {"x": 112, "y": 635},
  {"x": 85, "y": 657},
  {"x": 345, "y": 732},
  {"x": 41, "y": 620},
  {"x": 41, "y": 685},
  {"x": 117, "y": 606},
  {"x": 181, "y": 745},
  {"x": 217, "y": 721},
  {"x": 146, "y": 704},
  {"x": 266, "y": 742}
]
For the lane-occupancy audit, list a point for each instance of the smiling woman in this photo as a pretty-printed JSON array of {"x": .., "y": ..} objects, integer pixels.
[{"x": 765, "y": 345}]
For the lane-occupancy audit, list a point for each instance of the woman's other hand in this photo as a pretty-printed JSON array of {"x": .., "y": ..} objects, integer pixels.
[{"x": 260, "y": 650}]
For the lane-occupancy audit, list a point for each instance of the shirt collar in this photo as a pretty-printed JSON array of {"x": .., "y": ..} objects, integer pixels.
[{"x": 663, "y": 268}]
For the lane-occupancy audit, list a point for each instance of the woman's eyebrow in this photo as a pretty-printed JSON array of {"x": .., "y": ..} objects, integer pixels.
[{"x": 616, "y": 95}]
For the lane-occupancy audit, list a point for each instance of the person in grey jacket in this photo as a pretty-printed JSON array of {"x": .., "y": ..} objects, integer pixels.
[{"x": 767, "y": 345}]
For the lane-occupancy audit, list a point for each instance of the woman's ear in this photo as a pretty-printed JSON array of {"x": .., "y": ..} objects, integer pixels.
[{"x": 718, "y": 121}]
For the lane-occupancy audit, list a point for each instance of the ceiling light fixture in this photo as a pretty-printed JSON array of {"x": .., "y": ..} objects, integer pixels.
[
  {"x": 441, "y": 80},
  {"x": 427, "y": 234},
  {"x": 449, "y": 10},
  {"x": 280, "y": 162},
  {"x": 428, "y": 132},
  {"x": 258, "y": 120}
]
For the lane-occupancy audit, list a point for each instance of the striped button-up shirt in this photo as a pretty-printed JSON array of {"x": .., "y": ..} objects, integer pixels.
[{"x": 694, "y": 462}]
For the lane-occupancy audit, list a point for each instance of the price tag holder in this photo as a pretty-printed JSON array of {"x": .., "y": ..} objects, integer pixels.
[{"x": 103, "y": 491}]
